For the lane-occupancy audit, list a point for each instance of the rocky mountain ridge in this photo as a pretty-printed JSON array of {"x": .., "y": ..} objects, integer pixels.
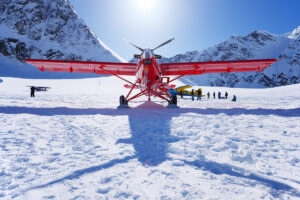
[
  {"x": 45, "y": 29},
  {"x": 256, "y": 45}
]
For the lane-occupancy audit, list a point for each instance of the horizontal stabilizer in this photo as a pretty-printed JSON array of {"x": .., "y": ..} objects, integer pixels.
[
  {"x": 130, "y": 86},
  {"x": 167, "y": 87}
]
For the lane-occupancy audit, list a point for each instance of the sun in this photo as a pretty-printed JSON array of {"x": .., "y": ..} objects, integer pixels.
[{"x": 145, "y": 4}]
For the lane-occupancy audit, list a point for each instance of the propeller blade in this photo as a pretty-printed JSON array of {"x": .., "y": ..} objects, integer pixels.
[
  {"x": 134, "y": 45},
  {"x": 163, "y": 44}
]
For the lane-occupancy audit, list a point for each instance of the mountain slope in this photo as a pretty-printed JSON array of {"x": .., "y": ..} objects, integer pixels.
[
  {"x": 256, "y": 45},
  {"x": 44, "y": 29}
]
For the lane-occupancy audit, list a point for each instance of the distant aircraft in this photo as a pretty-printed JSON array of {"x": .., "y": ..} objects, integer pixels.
[
  {"x": 40, "y": 88},
  {"x": 185, "y": 92},
  {"x": 151, "y": 78}
]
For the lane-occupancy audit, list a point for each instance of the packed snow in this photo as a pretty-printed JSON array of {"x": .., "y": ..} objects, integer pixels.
[{"x": 72, "y": 142}]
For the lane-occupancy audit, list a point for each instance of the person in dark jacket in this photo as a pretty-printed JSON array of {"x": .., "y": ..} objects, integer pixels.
[
  {"x": 214, "y": 94},
  {"x": 208, "y": 95},
  {"x": 199, "y": 94},
  {"x": 32, "y": 91},
  {"x": 192, "y": 93},
  {"x": 226, "y": 95},
  {"x": 219, "y": 95},
  {"x": 181, "y": 94},
  {"x": 234, "y": 98}
]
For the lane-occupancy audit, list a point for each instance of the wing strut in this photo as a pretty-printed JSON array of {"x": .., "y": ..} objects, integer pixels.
[
  {"x": 160, "y": 96},
  {"x": 130, "y": 91},
  {"x": 116, "y": 75},
  {"x": 138, "y": 95}
]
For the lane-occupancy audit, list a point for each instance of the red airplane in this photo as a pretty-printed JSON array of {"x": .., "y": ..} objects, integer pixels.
[{"x": 152, "y": 78}]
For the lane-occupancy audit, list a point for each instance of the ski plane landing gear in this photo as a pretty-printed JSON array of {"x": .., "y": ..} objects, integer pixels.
[{"x": 163, "y": 94}]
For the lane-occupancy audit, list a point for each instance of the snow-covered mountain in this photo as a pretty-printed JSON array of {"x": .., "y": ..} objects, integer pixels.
[
  {"x": 45, "y": 29},
  {"x": 256, "y": 45}
]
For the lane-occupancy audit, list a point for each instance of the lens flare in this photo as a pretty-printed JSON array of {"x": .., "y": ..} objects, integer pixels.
[{"x": 145, "y": 4}]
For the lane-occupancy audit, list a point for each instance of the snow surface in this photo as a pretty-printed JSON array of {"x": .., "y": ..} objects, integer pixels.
[{"x": 72, "y": 143}]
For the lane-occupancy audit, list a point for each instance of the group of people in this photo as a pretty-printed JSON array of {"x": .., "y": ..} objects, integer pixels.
[
  {"x": 219, "y": 95},
  {"x": 208, "y": 95},
  {"x": 193, "y": 94}
]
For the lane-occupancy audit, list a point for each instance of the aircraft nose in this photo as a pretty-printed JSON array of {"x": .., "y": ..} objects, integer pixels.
[{"x": 147, "y": 55}]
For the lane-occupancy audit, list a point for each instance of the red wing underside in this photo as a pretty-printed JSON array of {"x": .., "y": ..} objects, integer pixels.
[
  {"x": 85, "y": 67},
  {"x": 194, "y": 68}
]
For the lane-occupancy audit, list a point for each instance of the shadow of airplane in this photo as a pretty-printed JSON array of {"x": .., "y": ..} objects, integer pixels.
[
  {"x": 220, "y": 168},
  {"x": 78, "y": 173},
  {"x": 294, "y": 112},
  {"x": 150, "y": 129},
  {"x": 149, "y": 123}
]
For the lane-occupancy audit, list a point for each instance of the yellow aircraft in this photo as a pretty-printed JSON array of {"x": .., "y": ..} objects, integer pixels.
[{"x": 185, "y": 91}]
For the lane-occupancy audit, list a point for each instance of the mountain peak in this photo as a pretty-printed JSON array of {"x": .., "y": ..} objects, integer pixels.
[
  {"x": 43, "y": 29},
  {"x": 295, "y": 33},
  {"x": 259, "y": 36},
  {"x": 51, "y": 30}
]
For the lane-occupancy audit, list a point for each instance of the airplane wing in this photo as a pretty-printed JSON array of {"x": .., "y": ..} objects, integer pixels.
[
  {"x": 193, "y": 68},
  {"x": 85, "y": 67}
]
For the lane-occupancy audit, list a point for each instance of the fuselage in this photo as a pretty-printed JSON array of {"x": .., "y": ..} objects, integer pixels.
[{"x": 148, "y": 73}]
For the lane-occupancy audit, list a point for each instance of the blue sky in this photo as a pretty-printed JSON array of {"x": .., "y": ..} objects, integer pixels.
[{"x": 195, "y": 24}]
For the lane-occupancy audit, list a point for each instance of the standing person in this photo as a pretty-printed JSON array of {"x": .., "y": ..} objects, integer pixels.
[
  {"x": 214, "y": 94},
  {"x": 208, "y": 95},
  {"x": 219, "y": 95},
  {"x": 192, "y": 93},
  {"x": 181, "y": 94},
  {"x": 226, "y": 95},
  {"x": 199, "y": 94},
  {"x": 32, "y": 91}
]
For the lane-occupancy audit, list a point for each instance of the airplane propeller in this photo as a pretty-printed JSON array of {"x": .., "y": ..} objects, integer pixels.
[
  {"x": 134, "y": 45},
  {"x": 163, "y": 44},
  {"x": 141, "y": 49}
]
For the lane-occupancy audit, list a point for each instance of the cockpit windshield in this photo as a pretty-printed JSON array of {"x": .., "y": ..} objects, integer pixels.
[{"x": 147, "y": 54}]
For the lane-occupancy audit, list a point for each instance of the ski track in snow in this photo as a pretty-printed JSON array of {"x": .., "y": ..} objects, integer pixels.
[{"x": 72, "y": 143}]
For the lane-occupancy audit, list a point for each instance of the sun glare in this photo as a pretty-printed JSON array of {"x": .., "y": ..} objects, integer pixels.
[{"x": 145, "y": 4}]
